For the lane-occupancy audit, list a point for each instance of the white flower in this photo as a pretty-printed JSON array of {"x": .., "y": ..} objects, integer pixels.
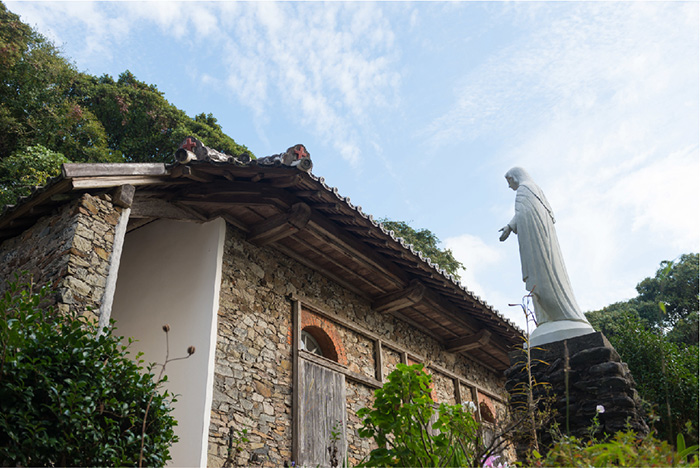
[
  {"x": 600, "y": 409},
  {"x": 469, "y": 406}
]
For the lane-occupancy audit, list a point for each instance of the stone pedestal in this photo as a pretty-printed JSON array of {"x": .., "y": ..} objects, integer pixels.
[
  {"x": 596, "y": 377},
  {"x": 550, "y": 332}
]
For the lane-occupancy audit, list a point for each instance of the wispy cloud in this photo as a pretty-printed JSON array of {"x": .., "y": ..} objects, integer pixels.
[
  {"x": 600, "y": 102},
  {"x": 332, "y": 65}
]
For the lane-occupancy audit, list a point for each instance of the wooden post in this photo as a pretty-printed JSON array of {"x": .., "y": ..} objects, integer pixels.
[
  {"x": 475, "y": 399},
  {"x": 113, "y": 272},
  {"x": 296, "y": 378},
  {"x": 378, "y": 361},
  {"x": 458, "y": 391}
]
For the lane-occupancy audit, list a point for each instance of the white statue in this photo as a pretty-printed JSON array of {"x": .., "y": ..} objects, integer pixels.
[{"x": 558, "y": 315}]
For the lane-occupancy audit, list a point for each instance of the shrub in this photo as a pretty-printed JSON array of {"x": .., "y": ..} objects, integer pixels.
[
  {"x": 625, "y": 448},
  {"x": 410, "y": 431},
  {"x": 71, "y": 396}
]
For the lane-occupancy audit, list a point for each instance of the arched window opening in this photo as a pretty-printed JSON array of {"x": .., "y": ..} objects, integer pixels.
[
  {"x": 486, "y": 413},
  {"x": 309, "y": 343},
  {"x": 315, "y": 340}
]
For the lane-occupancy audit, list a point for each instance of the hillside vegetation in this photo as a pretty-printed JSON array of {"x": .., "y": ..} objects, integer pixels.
[{"x": 51, "y": 113}]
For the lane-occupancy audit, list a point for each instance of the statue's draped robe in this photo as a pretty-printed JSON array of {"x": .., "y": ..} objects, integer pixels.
[{"x": 540, "y": 256}]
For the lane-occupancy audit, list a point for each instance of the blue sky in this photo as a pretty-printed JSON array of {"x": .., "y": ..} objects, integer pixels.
[{"x": 416, "y": 111}]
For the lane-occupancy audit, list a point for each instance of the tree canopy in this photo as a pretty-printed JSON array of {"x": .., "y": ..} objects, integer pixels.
[
  {"x": 666, "y": 302},
  {"x": 656, "y": 334},
  {"x": 428, "y": 243},
  {"x": 45, "y": 102}
]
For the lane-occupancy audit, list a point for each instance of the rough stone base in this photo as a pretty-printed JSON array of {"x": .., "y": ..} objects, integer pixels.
[{"x": 596, "y": 377}]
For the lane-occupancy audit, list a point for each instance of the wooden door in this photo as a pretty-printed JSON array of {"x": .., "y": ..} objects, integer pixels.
[{"x": 322, "y": 412}]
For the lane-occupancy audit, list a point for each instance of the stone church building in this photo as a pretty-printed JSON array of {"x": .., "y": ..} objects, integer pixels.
[{"x": 299, "y": 304}]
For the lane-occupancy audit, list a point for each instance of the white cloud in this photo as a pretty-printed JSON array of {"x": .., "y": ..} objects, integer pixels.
[
  {"x": 331, "y": 64},
  {"x": 476, "y": 256},
  {"x": 600, "y": 104},
  {"x": 328, "y": 64}
]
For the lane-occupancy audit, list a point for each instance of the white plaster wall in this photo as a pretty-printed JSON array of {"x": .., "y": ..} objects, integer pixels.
[{"x": 170, "y": 272}]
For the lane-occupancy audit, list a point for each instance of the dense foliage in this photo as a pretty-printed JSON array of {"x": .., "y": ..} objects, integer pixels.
[
  {"x": 18, "y": 173},
  {"x": 625, "y": 448},
  {"x": 427, "y": 242},
  {"x": 45, "y": 101},
  {"x": 70, "y": 396},
  {"x": 410, "y": 431},
  {"x": 656, "y": 334}
]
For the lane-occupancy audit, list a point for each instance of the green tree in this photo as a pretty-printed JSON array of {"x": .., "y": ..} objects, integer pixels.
[
  {"x": 656, "y": 334},
  {"x": 35, "y": 105},
  {"x": 141, "y": 125},
  {"x": 410, "y": 431},
  {"x": 26, "y": 169},
  {"x": 70, "y": 396},
  {"x": 667, "y": 302},
  {"x": 427, "y": 242},
  {"x": 45, "y": 101},
  {"x": 675, "y": 285},
  {"x": 666, "y": 374}
]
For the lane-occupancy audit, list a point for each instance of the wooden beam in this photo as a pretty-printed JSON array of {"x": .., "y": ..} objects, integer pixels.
[
  {"x": 467, "y": 343},
  {"x": 26, "y": 207},
  {"x": 339, "y": 240},
  {"x": 326, "y": 206},
  {"x": 284, "y": 182},
  {"x": 222, "y": 187},
  {"x": 114, "y": 181},
  {"x": 327, "y": 363},
  {"x": 320, "y": 309},
  {"x": 280, "y": 226},
  {"x": 137, "y": 223},
  {"x": 71, "y": 170},
  {"x": 191, "y": 173},
  {"x": 314, "y": 266},
  {"x": 307, "y": 193},
  {"x": 458, "y": 390},
  {"x": 223, "y": 201},
  {"x": 159, "y": 208},
  {"x": 398, "y": 300},
  {"x": 347, "y": 271},
  {"x": 123, "y": 195}
]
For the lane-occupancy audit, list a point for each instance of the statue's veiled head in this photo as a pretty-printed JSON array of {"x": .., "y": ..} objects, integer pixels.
[{"x": 516, "y": 176}]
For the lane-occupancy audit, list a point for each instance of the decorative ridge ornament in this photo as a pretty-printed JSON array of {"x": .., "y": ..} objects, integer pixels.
[
  {"x": 295, "y": 156},
  {"x": 192, "y": 149}
]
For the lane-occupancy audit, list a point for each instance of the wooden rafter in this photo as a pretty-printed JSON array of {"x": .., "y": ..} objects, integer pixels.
[
  {"x": 159, "y": 208},
  {"x": 191, "y": 173},
  {"x": 329, "y": 233},
  {"x": 398, "y": 300},
  {"x": 466, "y": 343},
  {"x": 223, "y": 201},
  {"x": 280, "y": 226}
]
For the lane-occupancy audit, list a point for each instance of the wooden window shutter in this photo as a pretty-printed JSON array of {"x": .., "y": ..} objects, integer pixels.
[{"x": 322, "y": 410}]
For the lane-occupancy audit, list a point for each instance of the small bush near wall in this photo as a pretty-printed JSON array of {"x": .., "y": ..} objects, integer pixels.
[
  {"x": 71, "y": 397},
  {"x": 409, "y": 431}
]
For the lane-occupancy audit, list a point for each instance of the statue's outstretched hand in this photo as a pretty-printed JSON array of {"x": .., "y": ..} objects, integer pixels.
[{"x": 506, "y": 232}]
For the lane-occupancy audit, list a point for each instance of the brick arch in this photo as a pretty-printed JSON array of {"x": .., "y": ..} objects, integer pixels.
[
  {"x": 329, "y": 332},
  {"x": 324, "y": 341}
]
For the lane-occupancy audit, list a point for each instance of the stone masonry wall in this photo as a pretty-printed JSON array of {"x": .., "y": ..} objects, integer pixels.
[
  {"x": 253, "y": 374},
  {"x": 67, "y": 251}
]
